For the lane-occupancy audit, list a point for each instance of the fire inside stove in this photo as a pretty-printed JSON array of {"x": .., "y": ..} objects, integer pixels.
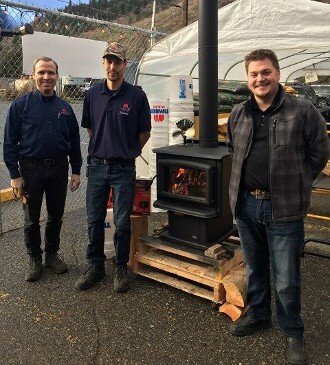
[{"x": 187, "y": 182}]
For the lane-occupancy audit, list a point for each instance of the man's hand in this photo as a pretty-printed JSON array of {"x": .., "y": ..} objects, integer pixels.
[
  {"x": 17, "y": 185},
  {"x": 74, "y": 182}
]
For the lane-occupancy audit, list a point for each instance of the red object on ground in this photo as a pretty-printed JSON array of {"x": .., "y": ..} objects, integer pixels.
[{"x": 141, "y": 203}]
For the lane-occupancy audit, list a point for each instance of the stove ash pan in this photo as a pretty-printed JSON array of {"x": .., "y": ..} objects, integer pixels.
[{"x": 193, "y": 180}]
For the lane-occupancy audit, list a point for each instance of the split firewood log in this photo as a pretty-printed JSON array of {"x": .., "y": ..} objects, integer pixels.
[
  {"x": 216, "y": 251},
  {"x": 233, "y": 311},
  {"x": 235, "y": 285}
]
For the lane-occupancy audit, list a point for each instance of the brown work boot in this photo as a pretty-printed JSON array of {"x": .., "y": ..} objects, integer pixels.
[
  {"x": 56, "y": 263},
  {"x": 35, "y": 269}
]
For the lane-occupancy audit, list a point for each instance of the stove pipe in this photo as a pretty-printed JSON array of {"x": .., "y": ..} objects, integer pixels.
[{"x": 208, "y": 72}]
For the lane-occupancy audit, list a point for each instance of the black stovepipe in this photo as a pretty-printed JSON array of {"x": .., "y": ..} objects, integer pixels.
[{"x": 208, "y": 72}]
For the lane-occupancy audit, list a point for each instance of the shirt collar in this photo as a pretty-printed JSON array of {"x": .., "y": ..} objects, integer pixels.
[
  {"x": 37, "y": 93},
  {"x": 104, "y": 89},
  {"x": 275, "y": 104}
]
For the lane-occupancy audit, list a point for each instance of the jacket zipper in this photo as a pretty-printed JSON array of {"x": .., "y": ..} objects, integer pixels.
[
  {"x": 274, "y": 132},
  {"x": 272, "y": 128}
]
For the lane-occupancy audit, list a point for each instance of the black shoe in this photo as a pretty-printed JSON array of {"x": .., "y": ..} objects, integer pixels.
[
  {"x": 35, "y": 269},
  {"x": 56, "y": 263},
  {"x": 92, "y": 276},
  {"x": 296, "y": 351},
  {"x": 121, "y": 280},
  {"x": 247, "y": 325}
]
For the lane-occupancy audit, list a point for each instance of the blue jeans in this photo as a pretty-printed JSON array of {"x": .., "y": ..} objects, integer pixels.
[
  {"x": 101, "y": 178},
  {"x": 279, "y": 245}
]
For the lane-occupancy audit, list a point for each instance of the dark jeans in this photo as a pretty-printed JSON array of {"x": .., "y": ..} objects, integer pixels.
[
  {"x": 266, "y": 243},
  {"x": 120, "y": 178},
  {"x": 51, "y": 180}
]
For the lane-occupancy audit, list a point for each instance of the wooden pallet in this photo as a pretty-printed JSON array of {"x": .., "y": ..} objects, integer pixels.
[{"x": 187, "y": 269}]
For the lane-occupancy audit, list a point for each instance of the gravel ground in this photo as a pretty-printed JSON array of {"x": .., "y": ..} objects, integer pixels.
[{"x": 49, "y": 322}]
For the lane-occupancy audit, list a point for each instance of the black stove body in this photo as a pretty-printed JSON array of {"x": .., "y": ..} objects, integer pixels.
[{"x": 192, "y": 184}]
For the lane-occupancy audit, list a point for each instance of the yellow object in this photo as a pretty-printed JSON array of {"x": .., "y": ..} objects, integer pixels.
[
  {"x": 6, "y": 195},
  {"x": 289, "y": 90}
]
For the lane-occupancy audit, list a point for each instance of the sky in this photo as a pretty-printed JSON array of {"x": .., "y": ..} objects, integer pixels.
[
  {"x": 9, "y": 18},
  {"x": 50, "y": 4}
]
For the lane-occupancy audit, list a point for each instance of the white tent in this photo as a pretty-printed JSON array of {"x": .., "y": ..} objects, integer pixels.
[{"x": 297, "y": 30}]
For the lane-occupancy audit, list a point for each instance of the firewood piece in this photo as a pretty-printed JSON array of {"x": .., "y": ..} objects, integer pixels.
[
  {"x": 235, "y": 285},
  {"x": 232, "y": 311},
  {"x": 220, "y": 254},
  {"x": 216, "y": 251}
]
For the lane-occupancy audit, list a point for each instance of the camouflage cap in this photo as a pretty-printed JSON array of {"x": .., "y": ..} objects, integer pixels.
[{"x": 115, "y": 49}]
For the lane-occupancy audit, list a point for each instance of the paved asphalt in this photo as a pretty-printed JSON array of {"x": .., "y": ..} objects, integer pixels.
[{"x": 50, "y": 323}]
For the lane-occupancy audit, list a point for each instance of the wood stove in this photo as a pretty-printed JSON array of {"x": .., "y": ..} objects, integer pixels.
[
  {"x": 193, "y": 179},
  {"x": 192, "y": 184}
]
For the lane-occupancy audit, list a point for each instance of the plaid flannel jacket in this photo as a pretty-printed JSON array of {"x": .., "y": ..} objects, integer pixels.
[{"x": 299, "y": 148}]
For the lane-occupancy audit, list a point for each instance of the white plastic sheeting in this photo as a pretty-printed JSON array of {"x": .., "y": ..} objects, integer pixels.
[
  {"x": 297, "y": 30},
  {"x": 76, "y": 57}
]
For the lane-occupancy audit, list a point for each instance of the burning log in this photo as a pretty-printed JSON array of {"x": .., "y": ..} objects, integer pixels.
[{"x": 188, "y": 182}]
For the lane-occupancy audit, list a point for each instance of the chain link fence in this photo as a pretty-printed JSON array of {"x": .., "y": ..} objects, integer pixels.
[{"x": 13, "y": 83}]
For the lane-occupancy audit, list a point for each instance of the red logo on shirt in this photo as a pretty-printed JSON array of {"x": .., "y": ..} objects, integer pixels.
[
  {"x": 64, "y": 112},
  {"x": 124, "y": 109}
]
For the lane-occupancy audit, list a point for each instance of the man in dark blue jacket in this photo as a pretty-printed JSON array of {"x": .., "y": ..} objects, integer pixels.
[
  {"x": 41, "y": 131},
  {"x": 117, "y": 117}
]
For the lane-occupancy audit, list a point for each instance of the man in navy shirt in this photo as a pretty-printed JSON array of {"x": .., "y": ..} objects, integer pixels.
[
  {"x": 41, "y": 131},
  {"x": 117, "y": 117}
]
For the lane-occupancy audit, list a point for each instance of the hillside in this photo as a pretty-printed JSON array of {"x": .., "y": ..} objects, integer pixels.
[
  {"x": 138, "y": 12},
  {"x": 168, "y": 19}
]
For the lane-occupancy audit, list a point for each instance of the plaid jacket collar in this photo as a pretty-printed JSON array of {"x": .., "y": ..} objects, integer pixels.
[{"x": 278, "y": 101}]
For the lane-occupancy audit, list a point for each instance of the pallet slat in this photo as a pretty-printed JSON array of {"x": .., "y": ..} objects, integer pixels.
[
  {"x": 185, "y": 268},
  {"x": 175, "y": 282},
  {"x": 174, "y": 248},
  {"x": 177, "y": 267}
]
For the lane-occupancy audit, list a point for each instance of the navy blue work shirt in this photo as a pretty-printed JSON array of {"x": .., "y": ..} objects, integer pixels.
[
  {"x": 116, "y": 120},
  {"x": 41, "y": 127}
]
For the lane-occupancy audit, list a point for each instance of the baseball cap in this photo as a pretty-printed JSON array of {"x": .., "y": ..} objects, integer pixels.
[{"x": 115, "y": 49}]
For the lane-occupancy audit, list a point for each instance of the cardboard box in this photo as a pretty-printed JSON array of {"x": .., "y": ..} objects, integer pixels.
[{"x": 222, "y": 126}]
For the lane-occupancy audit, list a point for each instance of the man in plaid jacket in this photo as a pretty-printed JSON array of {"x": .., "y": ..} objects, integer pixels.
[{"x": 278, "y": 144}]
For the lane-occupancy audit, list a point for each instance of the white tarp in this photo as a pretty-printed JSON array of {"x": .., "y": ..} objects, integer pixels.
[
  {"x": 76, "y": 57},
  {"x": 297, "y": 30}
]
